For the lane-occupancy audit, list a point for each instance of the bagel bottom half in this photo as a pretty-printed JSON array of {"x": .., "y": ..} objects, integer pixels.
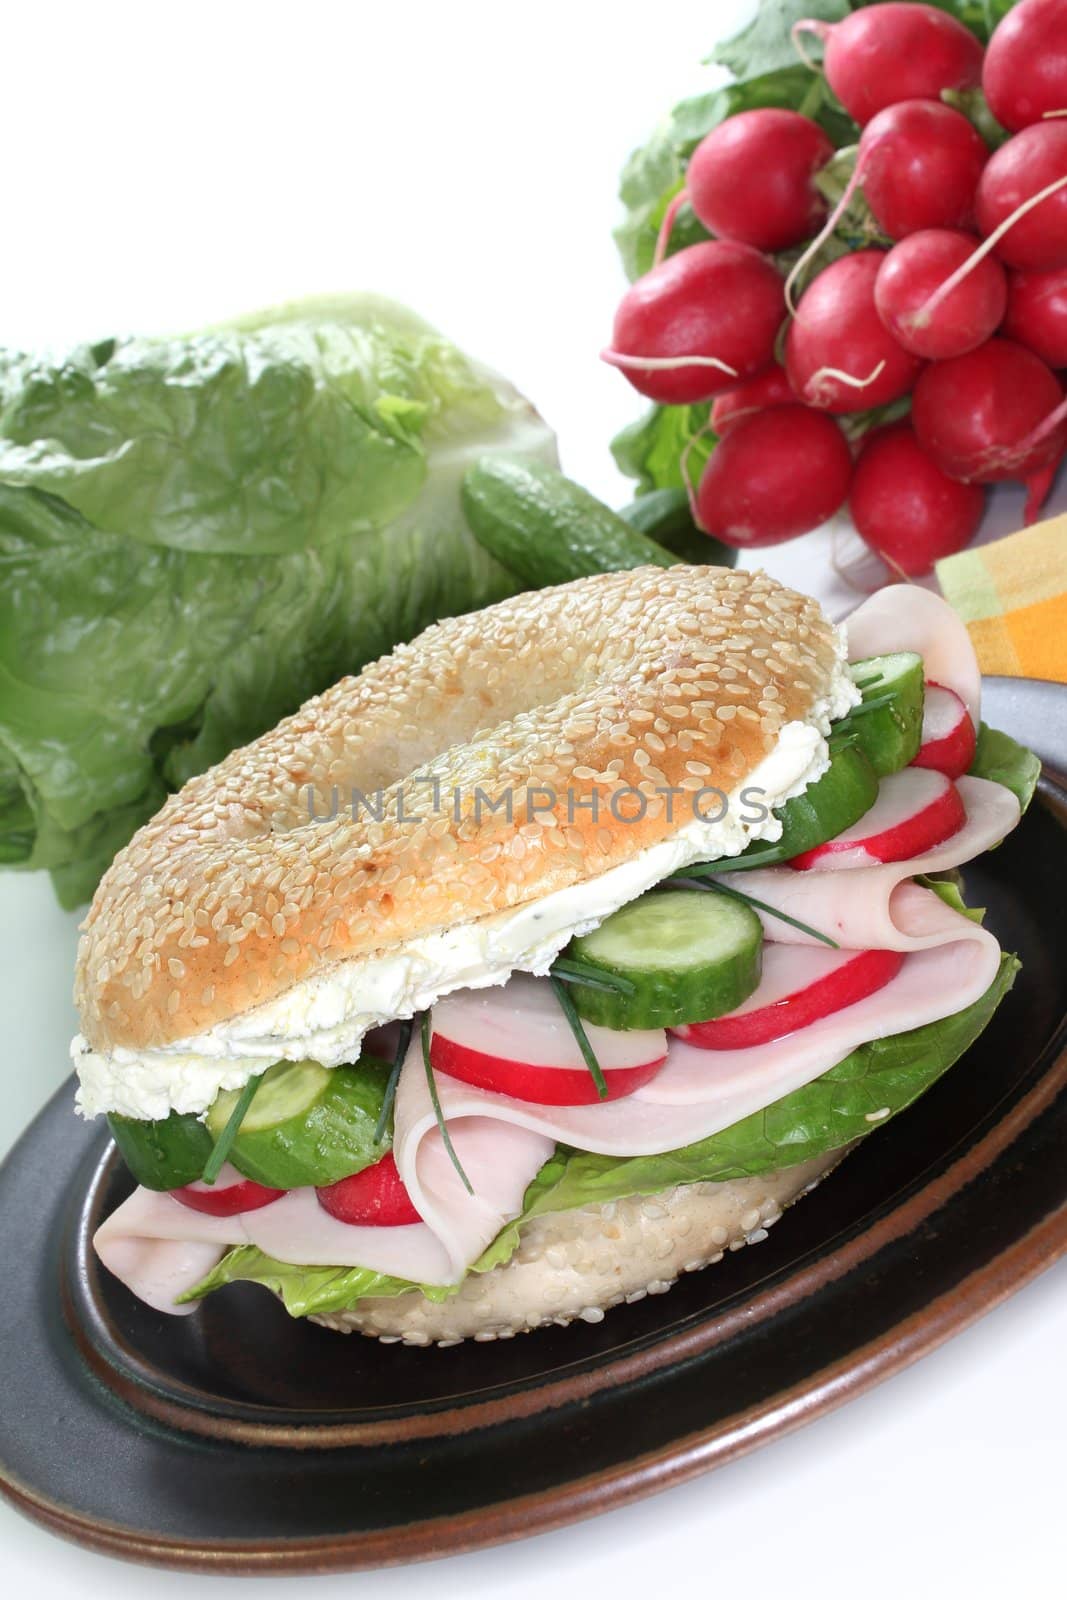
[{"x": 577, "y": 1264}]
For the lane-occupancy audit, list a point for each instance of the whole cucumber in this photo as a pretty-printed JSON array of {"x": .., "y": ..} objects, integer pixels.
[
  {"x": 546, "y": 529},
  {"x": 664, "y": 515}
]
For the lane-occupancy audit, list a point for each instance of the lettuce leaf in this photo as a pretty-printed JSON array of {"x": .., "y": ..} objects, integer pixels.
[
  {"x": 1002, "y": 759},
  {"x": 198, "y": 533},
  {"x": 863, "y": 1092},
  {"x": 948, "y": 886},
  {"x": 305, "y": 1291}
]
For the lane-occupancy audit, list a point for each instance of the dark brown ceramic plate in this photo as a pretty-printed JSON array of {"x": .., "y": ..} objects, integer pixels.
[{"x": 239, "y": 1441}]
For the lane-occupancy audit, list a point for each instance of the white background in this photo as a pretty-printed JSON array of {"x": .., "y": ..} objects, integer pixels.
[{"x": 167, "y": 165}]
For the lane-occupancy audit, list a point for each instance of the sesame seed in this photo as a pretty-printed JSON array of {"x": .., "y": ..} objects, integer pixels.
[{"x": 618, "y": 680}]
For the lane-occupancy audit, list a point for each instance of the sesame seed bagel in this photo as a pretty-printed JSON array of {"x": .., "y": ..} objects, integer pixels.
[
  {"x": 634, "y": 680},
  {"x": 578, "y": 1264}
]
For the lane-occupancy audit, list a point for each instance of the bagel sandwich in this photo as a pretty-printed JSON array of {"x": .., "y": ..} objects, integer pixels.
[{"x": 554, "y": 955}]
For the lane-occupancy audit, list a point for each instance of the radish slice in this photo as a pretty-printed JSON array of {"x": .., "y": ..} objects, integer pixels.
[
  {"x": 915, "y": 810},
  {"x": 948, "y": 738},
  {"x": 799, "y": 986},
  {"x": 228, "y": 1196},
  {"x": 516, "y": 1041},
  {"x": 375, "y": 1197}
]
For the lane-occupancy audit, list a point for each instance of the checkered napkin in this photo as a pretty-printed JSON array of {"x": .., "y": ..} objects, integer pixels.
[{"x": 1013, "y": 597}]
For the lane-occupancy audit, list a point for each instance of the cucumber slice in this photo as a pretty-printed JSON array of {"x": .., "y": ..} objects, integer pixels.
[
  {"x": 689, "y": 957},
  {"x": 165, "y": 1154},
  {"x": 308, "y": 1124},
  {"x": 890, "y": 734},
  {"x": 846, "y": 791}
]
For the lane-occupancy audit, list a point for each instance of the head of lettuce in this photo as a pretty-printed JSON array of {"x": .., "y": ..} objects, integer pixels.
[{"x": 198, "y": 533}]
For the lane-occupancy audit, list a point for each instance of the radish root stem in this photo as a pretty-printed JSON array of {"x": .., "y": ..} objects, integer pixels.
[
  {"x": 1018, "y": 452},
  {"x": 617, "y": 358},
  {"x": 839, "y": 566},
  {"x": 1038, "y": 485},
  {"x": 846, "y": 377},
  {"x": 808, "y": 25},
  {"x": 663, "y": 238},
  {"x": 683, "y": 467},
  {"x": 821, "y": 237}
]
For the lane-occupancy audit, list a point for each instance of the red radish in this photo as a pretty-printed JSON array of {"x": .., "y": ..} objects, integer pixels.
[
  {"x": 911, "y": 274},
  {"x": 914, "y": 811},
  {"x": 1037, "y": 313},
  {"x": 1038, "y": 488},
  {"x": 375, "y": 1197},
  {"x": 761, "y": 393},
  {"x": 1032, "y": 164},
  {"x": 995, "y": 413},
  {"x": 698, "y": 323},
  {"x": 1025, "y": 71},
  {"x": 228, "y": 1196},
  {"x": 919, "y": 163},
  {"x": 799, "y": 986},
  {"x": 838, "y": 355},
  {"x": 516, "y": 1041},
  {"x": 775, "y": 475},
  {"x": 886, "y": 53},
  {"x": 752, "y": 177},
  {"x": 905, "y": 507},
  {"x": 948, "y": 738}
]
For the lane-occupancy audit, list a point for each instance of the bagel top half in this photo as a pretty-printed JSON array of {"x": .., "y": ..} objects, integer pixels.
[{"x": 643, "y": 680}]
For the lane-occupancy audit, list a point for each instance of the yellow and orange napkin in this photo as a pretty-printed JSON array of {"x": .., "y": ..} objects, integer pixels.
[{"x": 1013, "y": 597}]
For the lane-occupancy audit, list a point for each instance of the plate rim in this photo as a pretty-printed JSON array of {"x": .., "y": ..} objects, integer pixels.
[{"x": 577, "y": 1499}]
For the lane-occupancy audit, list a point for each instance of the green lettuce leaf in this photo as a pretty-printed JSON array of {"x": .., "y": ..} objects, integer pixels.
[
  {"x": 305, "y": 1291},
  {"x": 863, "y": 1092},
  {"x": 948, "y": 886},
  {"x": 198, "y": 533},
  {"x": 1002, "y": 759}
]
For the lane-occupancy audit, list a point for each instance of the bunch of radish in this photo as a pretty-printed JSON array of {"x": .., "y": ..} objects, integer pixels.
[{"x": 959, "y": 325}]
